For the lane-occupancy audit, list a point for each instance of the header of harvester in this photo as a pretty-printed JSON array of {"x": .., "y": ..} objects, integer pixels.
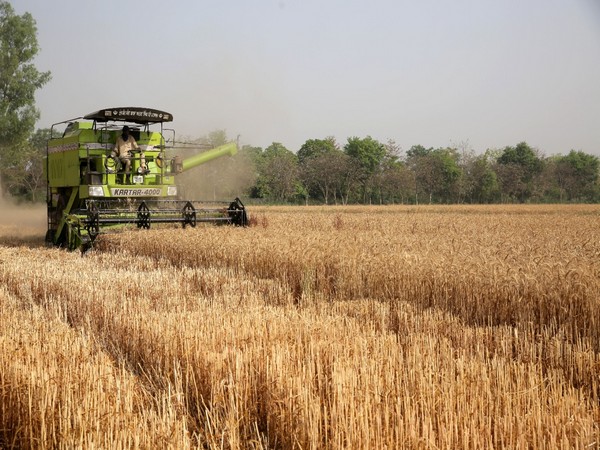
[{"x": 130, "y": 114}]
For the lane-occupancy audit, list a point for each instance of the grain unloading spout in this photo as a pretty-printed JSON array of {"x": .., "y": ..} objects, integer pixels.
[{"x": 181, "y": 165}]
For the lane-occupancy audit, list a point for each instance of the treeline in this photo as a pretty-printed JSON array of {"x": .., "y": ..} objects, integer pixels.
[
  {"x": 369, "y": 172},
  {"x": 363, "y": 171}
]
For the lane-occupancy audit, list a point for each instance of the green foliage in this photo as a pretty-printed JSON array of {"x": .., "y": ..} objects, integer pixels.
[
  {"x": 277, "y": 173},
  {"x": 573, "y": 177},
  {"x": 369, "y": 156},
  {"x": 22, "y": 173},
  {"x": 517, "y": 167},
  {"x": 436, "y": 173},
  {"x": 369, "y": 152},
  {"x": 301, "y": 192},
  {"x": 485, "y": 187},
  {"x": 369, "y": 172},
  {"x": 524, "y": 156},
  {"x": 20, "y": 153},
  {"x": 394, "y": 184},
  {"x": 584, "y": 166},
  {"x": 316, "y": 147},
  {"x": 324, "y": 172},
  {"x": 417, "y": 151},
  {"x": 19, "y": 79}
]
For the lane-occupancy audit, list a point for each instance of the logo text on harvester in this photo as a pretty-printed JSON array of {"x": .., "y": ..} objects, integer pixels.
[{"x": 130, "y": 192}]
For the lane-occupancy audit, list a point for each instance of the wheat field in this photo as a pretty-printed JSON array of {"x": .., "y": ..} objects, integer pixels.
[{"x": 402, "y": 327}]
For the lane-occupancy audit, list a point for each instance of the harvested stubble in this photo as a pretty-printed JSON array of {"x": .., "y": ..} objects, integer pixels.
[
  {"x": 60, "y": 390},
  {"x": 320, "y": 328}
]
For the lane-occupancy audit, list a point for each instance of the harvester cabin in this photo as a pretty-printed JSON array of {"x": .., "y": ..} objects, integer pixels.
[{"x": 82, "y": 154}]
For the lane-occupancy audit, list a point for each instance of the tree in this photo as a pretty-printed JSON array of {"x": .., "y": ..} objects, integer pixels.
[
  {"x": 417, "y": 150},
  {"x": 19, "y": 79},
  {"x": 446, "y": 172},
  {"x": 466, "y": 159},
  {"x": 416, "y": 159},
  {"x": 320, "y": 163},
  {"x": 395, "y": 183},
  {"x": 388, "y": 182},
  {"x": 316, "y": 147},
  {"x": 483, "y": 181},
  {"x": 436, "y": 173},
  {"x": 349, "y": 181},
  {"x": 277, "y": 178},
  {"x": 573, "y": 177},
  {"x": 517, "y": 168},
  {"x": 523, "y": 155},
  {"x": 369, "y": 154},
  {"x": 23, "y": 175},
  {"x": 324, "y": 174}
]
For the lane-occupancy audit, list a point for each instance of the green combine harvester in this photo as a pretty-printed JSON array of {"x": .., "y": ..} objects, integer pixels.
[{"x": 89, "y": 191}]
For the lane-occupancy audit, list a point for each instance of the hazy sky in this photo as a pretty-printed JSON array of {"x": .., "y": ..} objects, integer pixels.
[{"x": 432, "y": 72}]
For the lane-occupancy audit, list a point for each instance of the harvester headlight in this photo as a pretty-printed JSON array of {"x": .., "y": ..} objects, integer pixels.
[
  {"x": 172, "y": 190},
  {"x": 95, "y": 191},
  {"x": 112, "y": 164},
  {"x": 143, "y": 170}
]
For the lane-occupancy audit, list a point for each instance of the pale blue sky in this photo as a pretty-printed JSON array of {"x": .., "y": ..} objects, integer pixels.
[{"x": 429, "y": 72}]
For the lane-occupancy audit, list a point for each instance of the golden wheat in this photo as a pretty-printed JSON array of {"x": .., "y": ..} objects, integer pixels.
[{"x": 358, "y": 327}]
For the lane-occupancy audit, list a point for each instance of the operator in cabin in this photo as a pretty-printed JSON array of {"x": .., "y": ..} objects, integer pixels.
[{"x": 123, "y": 150}]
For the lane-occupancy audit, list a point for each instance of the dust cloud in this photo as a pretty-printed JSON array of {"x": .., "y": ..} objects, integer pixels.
[
  {"x": 21, "y": 224},
  {"x": 222, "y": 179}
]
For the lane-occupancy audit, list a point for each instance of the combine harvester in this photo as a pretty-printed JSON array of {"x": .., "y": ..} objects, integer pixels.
[{"x": 89, "y": 191}]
